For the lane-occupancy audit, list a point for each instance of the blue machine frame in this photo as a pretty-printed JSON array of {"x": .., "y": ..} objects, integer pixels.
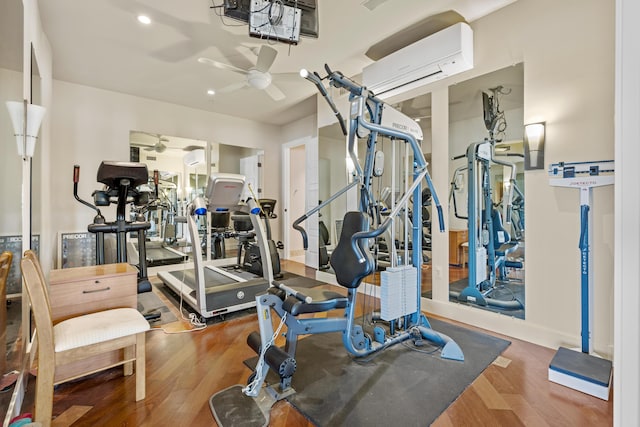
[
  {"x": 584, "y": 176},
  {"x": 410, "y": 326}
]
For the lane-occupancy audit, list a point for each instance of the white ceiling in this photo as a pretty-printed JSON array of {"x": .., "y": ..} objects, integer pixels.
[{"x": 99, "y": 43}]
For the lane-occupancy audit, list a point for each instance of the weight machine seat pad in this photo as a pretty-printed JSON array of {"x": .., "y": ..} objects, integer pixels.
[
  {"x": 350, "y": 264},
  {"x": 110, "y": 173},
  {"x": 506, "y": 249},
  {"x": 323, "y": 300}
]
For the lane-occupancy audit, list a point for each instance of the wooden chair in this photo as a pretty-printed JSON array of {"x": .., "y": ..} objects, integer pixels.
[
  {"x": 5, "y": 264},
  {"x": 79, "y": 338}
]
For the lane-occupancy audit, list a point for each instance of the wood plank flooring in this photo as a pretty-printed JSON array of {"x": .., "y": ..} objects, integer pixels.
[{"x": 185, "y": 369}]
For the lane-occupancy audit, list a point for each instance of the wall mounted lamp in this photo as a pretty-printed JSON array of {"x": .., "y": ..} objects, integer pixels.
[
  {"x": 26, "y": 119},
  {"x": 534, "y": 135}
]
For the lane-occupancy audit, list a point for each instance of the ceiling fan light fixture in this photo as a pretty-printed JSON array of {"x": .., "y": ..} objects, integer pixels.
[
  {"x": 258, "y": 79},
  {"x": 144, "y": 19}
]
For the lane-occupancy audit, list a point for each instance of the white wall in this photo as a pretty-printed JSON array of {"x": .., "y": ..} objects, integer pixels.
[
  {"x": 626, "y": 372},
  {"x": 90, "y": 125}
]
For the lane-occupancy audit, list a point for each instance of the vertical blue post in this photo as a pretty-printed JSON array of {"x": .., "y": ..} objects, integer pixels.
[{"x": 584, "y": 276}]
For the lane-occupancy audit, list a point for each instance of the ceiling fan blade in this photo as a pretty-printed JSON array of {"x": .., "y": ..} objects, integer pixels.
[
  {"x": 232, "y": 87},
  {"x": 265, "y": 58},
  {"x": 274, "y": 92},
  {"x": 222, "y": 65},
  {"x": 292, "y": 76}
]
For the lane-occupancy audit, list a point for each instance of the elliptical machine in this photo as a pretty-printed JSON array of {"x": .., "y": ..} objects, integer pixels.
[
  {"x": 252, "y": 260},
  {"x": 121, "y": 180}
]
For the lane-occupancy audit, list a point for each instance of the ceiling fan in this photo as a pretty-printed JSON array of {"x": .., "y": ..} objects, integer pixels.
[
  {"x": 257, "y": 77},
  {"x": 158, "y": 147}
]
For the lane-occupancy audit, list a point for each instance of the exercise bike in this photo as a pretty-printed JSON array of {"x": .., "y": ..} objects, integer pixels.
[{"x": 121, "y": 180}]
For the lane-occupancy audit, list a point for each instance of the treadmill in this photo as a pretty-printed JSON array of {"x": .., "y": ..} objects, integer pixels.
[
  {"x": 207, "y": 287},
  {"x": 157, "y": 254}
]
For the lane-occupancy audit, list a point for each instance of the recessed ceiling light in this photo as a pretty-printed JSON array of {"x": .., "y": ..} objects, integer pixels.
[
  {"x": 211, "y": 92},
  {"x": 144, "y": 19}
]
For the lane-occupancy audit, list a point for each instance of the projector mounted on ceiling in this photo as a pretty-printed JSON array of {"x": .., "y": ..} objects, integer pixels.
[
  {"x": 274, "y": 20},
  {"x": 308, "y": 25}
]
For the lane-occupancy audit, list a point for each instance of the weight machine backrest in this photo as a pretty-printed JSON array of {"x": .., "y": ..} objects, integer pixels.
[{"x": 352, "y": 264}]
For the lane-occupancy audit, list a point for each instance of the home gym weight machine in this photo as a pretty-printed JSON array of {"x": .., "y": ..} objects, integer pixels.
[{"x": 351, "y": 262}]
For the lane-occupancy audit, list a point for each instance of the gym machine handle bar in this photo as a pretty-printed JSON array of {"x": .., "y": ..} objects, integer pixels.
[
  {"x": 296, "y": 223},
  {"x": 76, "y": 179}
]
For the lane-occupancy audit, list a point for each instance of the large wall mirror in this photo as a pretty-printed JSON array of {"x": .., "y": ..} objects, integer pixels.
[
  {"x": 184, "y": 166},
  {"x": 486, "y": 199},
  {"x": 11, "y": 89}
]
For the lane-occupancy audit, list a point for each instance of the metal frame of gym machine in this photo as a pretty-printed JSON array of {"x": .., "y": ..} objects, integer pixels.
[
  {"x": 238, "y": 293},
  {"x": 412, "y": 325}
]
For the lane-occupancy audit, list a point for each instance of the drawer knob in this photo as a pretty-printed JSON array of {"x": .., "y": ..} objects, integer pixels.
[{"x": 96, "y": 290}]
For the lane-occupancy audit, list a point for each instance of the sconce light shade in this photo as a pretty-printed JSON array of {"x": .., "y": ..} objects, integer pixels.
[
  {"x": 534, "y": 135},
  {"x": 25, "y": 134},
  {"x": 198, "y": 206}
]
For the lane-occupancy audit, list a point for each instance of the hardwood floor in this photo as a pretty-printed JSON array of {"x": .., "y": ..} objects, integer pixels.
[{"x": 185, "y": 369}]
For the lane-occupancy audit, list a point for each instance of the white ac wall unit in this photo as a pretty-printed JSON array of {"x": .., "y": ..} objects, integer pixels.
[
  {"x": 440, "y": 55},
  {"x": 194, "y": 158}
]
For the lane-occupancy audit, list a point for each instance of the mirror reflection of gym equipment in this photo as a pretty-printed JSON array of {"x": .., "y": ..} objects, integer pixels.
[
  {"x": 219, "y": 287},
  {"x": 486, "y": 196}
]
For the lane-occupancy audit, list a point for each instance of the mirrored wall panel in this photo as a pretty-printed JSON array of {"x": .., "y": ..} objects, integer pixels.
[
  {"x": 183, "y": 167},
  {"x": 486, "y": 198}
]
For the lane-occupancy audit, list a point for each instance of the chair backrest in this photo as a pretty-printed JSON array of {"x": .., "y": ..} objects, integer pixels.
[
  {"x": 39, "y": 298},
  {"x": 5, "y": 265},
  {"x": 350, "y": 264},
  {"x": 33, "y": 257}
]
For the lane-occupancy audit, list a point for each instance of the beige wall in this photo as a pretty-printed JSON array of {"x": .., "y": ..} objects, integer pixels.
[{"x": 90, "y": 125}]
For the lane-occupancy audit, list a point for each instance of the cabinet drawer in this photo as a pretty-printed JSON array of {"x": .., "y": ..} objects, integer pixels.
[{"x": 90, "y": 295}]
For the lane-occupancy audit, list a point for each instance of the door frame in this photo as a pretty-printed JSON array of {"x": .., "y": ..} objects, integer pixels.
[{"x": 311, "y": 190}]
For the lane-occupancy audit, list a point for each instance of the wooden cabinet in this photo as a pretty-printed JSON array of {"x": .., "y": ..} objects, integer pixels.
[
  {"x": 82, "y": 290},
  {"x": 456, "y": 239}
]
